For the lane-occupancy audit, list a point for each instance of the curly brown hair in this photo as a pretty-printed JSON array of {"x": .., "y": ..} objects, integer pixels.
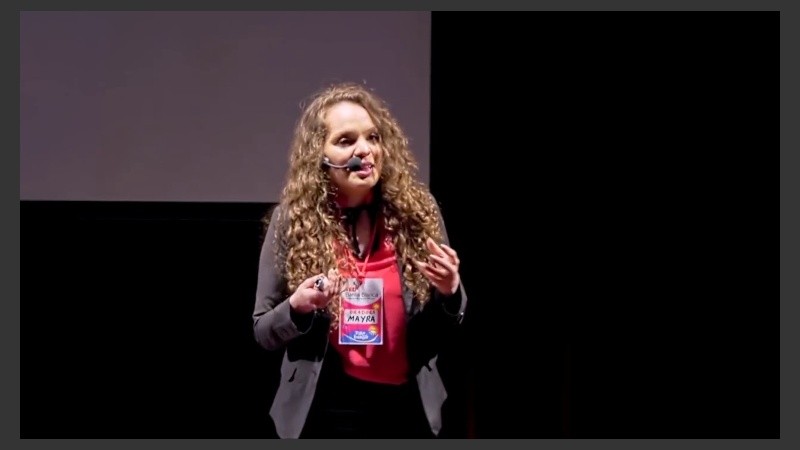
[{"x": 313, "y": 234}]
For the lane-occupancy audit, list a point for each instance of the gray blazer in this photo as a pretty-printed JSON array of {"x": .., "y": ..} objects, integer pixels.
[{"x": 304, "y": 339}]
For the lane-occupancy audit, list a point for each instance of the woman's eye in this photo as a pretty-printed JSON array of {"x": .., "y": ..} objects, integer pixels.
[
  {"x": 375, "y": 137},
  {"x": 344, "y": 142}
]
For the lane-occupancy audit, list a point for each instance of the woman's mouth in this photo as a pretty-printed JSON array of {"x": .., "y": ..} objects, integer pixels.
[{"x": 366, "y": 170}]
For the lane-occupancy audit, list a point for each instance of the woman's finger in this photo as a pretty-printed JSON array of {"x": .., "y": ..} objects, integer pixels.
[
  {"x": 438, "y": 270},
  {"x": 431, "y": 273},
  {"x": 451, "y": 253},
  {"x": 444, "y": 263},
  {"x": 434, "y": 248}
]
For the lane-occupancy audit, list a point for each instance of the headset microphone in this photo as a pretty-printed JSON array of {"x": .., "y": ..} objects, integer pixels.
[{"x": 353, "y": 164}]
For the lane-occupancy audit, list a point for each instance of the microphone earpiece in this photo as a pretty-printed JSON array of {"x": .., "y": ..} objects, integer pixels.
[{"x": 353, "y": 163}]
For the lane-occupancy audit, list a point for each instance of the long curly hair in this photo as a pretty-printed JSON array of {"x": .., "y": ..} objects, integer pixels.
[{"x": 313, "y": 235}]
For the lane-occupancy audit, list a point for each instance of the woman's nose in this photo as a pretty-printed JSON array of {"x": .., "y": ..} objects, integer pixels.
[{"x": 363, "y": 148}]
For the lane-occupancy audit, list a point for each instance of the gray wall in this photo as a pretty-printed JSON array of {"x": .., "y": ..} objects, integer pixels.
[{"x": 198, "y": 106}]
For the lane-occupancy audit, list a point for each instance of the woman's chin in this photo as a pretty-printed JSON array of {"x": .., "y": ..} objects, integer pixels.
[
  {"x": 363, "y": 178},
  {"x": 358, "y": 187}
]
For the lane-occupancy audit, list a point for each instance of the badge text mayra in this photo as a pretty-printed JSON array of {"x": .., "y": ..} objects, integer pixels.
[{"x": 360, "y": 316}]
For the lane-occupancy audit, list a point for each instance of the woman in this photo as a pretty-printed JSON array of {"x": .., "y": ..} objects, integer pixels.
[{"x": 356, "y": 281}]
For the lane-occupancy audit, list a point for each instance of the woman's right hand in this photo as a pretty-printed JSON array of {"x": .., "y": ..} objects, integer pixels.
[{"x": 308, "y": 297}]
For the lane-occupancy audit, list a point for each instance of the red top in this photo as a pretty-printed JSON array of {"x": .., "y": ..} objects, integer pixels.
[{"x": 387, "y": 363}]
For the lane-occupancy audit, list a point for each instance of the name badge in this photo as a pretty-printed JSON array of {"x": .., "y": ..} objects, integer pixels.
[{"x": 361, "y": 316}]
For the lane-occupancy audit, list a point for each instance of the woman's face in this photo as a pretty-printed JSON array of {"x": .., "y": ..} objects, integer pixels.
[{"x": 351, "y": 132}]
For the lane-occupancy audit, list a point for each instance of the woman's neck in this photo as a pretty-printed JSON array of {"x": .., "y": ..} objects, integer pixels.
[{"x": 358, "y": 215}]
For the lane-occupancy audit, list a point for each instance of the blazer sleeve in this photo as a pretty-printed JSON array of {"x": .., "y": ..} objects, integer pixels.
[
  {"x": 452, "y": 307},
  {"x": 274, "y": 322},
  {"x": 441, "y": 316}
]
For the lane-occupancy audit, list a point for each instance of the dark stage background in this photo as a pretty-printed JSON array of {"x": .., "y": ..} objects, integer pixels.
[{"x": 610, "y": 181}]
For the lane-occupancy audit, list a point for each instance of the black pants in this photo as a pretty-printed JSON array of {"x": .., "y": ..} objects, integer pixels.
[{"x": 348, "y": 408}]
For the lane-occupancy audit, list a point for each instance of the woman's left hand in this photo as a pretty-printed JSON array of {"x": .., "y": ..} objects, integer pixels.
[{"x": 441, "y": 269}]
